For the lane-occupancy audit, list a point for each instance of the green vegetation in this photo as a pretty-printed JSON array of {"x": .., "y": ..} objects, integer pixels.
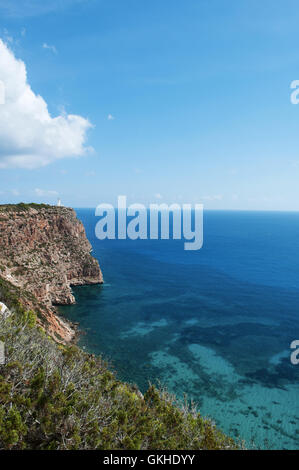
[
  {"x": 23, "y": 207},
  {"x": 11, "y": 295},
  {"x": 59, "y": 397}
]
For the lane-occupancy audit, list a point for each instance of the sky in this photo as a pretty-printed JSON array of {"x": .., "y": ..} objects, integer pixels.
[{"x": 175, "y": 101}]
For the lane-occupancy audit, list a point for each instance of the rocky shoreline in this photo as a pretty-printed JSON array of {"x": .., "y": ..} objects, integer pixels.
[{"x": 44, "y": 252}]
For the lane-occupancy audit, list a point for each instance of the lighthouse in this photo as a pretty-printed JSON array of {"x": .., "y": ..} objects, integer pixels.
[{"x": 59, "y": 202}]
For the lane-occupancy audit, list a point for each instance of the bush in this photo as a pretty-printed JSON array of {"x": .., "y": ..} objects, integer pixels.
[{"x": 59, "y": 397}]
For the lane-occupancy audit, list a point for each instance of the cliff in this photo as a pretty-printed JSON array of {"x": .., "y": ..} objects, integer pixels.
[{"x": 44, "y": 251}]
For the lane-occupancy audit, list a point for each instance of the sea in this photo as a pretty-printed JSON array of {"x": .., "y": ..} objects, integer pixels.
[{"x": 214, "y": 326}]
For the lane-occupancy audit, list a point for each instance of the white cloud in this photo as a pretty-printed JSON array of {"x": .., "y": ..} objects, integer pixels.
[
  {"x": 44, "y": 192},
  {"x": 7, "y": 36},
  {"x": 216, "y": 197},
  {"x": 50, "y": 48},
  {"x": 158, "y": 196},
  {"x": 110, "y": 117},
  {"x": 29, "y": 136},
  {"x": 233, "y": 171},
  {"x": 14, "y": 192}
]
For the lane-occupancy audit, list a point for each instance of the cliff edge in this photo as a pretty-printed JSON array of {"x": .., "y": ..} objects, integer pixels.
[{"x": 44, "y": 251}]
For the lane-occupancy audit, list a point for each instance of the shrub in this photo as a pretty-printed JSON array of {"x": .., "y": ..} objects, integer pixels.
[{"x": 59, "y": 397}]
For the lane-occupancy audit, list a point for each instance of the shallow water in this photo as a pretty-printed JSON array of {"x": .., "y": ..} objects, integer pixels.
[{"x": 216, "y": 324}]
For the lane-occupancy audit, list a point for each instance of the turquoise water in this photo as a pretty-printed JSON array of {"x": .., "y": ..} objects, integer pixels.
[{"x": 216, "y": 324}]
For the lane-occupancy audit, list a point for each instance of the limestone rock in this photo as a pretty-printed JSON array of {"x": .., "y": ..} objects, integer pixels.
[{"x": 44, "y": 250}]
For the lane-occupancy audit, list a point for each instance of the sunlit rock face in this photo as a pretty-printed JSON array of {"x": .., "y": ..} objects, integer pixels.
[{"x": 44, "y": 250}]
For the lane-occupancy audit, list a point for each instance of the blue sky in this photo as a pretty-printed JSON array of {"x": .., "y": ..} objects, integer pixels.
[{"x": 189, "y": 101}]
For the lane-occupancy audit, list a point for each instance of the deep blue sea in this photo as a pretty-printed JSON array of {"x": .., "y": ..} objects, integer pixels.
[{"x": 215, "y": 324}]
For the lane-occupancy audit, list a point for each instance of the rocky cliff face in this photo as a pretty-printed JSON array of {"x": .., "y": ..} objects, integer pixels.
[{"x": 44, "y": 251}]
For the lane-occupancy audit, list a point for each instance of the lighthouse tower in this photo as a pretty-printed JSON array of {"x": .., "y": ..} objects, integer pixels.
[{"x": 59, "y": 203}]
